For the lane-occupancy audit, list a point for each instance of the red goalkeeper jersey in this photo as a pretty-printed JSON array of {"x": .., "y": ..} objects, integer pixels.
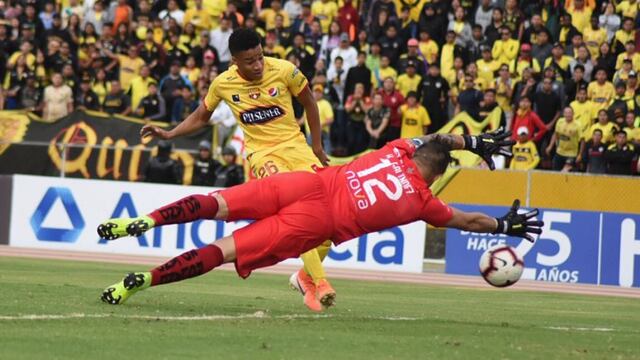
[{"x": 380, "y": 190}]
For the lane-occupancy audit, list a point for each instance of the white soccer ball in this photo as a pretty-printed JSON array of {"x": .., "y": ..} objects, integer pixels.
[{"x": 501, "y": 266}]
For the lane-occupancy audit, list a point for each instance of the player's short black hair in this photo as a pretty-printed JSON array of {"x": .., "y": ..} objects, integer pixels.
[
  {"x": 242, "y": 40},
  {"x": 434, "y": 155}
]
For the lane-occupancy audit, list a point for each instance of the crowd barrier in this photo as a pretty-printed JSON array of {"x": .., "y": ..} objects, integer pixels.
[
  {"x": 590, "y": 233},
  {"x": 590, "y": 247}
]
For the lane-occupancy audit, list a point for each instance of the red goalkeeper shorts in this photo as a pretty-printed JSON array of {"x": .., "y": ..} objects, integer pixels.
[{"x": 292, "y": 216}]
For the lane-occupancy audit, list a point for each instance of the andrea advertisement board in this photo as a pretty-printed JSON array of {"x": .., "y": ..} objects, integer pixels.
[
  {"x": 55, "y": 213},
  {"x": 574, "y": 247}
]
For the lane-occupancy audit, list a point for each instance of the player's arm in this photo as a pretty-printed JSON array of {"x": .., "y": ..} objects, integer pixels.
[
  {"x": 305, "y": 97},
  {"x": 483, "y": 145},
  {"x": 512, "y": 224},
  {"x": 195, "y": 121}
]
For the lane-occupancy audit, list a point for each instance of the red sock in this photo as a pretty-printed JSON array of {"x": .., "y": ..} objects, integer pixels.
[
  {"x": 187, "y": 265},
  {"x": 187, "y": 209}
]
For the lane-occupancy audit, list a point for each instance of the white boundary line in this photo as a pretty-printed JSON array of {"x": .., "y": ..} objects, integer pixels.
[
  {"x": 564, "y": 328},
  {"x": 256, "y": 315}
]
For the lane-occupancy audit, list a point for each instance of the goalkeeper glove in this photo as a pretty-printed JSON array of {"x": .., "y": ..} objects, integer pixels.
[
  {"x": 486, "y": 145},
  {"x": 519, "y": 225}
]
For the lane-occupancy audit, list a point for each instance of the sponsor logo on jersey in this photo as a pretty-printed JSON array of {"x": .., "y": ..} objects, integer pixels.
[
  {"x": 254, "y": 94},
  {"x": 295, "y": 72},
  {"x": 261, "y": 115},
  {"x": 235, "y": 98},
  {"x": 273, "y": 92}
]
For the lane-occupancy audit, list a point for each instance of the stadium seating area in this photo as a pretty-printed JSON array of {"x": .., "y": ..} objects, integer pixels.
[{"x": 564, "y": 72}]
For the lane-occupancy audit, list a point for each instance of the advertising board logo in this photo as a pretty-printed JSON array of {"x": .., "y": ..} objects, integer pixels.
[{"x": 71, "y": 209}]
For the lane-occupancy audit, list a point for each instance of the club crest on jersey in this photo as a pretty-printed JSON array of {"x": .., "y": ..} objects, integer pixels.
[
  {"x": 254, "y": 94},
  {"x": 261, "y": 115},
  {"x": 235, "y": 98},
  {"x": 273, "y": 92}
]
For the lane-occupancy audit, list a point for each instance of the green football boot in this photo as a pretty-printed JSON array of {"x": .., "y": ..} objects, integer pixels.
[
  {"x": 116, "y": 228},
  {"x": 119, "y": 292}
]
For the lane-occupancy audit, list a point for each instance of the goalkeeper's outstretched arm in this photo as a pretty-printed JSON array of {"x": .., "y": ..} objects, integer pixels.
[{"x": 513, "y": 224}]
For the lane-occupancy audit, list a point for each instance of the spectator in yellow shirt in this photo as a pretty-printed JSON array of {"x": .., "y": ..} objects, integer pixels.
[
  {"x": 428, "y": 48},
  {"x": 594, "y": 36},
  {"x": 584, "y": 110},
  {"x": 566, "y": 138},
  {"x": 139, "y": 87},
  {"x": 130, "y": 65},
  {"x": 628, "y": 8},
  {"x": 25, "y": 51},
  {"x": 601, "y": 91},
  {"x": 269, "y": 15},
  {"x": 415, "y": 118},
  {"x": 559, "y": 61},
  {"x": 633, "y": 132},
  {"x": 325, "y": 11},
  {"x": 325, "y": 112},
  {"x": 487, "y": 66},
  {"x": 630, "y": 54},
  {"x": 623, "y": 74},
  {"x": 624, "y": 35},
  {"x": 410, "y": 80},
  {"x": 607, "y": 128},
  {"x": 525, "y": 153},
  {"x": 198, "y": 16},
  {"x": 505, "y": 50},
  {"x": 386, "y": 71},
  {"x": 580, "y": 15},
  {"x": 448, "y": 53},
  {"x": 524, "y": 61}
]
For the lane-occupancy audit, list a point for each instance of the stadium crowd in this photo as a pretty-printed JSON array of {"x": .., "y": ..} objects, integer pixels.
[{"x": 564, "y": 72}]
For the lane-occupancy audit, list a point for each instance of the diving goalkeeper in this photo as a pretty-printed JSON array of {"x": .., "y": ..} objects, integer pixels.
[{"x": 297, "y": 211}]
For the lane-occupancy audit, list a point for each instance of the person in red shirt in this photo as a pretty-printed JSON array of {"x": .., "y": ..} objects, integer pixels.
[
  {"x": 528, "y": 118},
  {"x": 385, "y": 188},
  {"x": 348, "y": 19},
  {"x": 392, "y": 99}
]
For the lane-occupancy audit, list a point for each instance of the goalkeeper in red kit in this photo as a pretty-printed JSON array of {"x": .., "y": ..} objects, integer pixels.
[{"x": 297, "y": 211}]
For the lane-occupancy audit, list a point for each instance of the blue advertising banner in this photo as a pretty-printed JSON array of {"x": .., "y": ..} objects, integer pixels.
[{"x": 574, "y": 247}]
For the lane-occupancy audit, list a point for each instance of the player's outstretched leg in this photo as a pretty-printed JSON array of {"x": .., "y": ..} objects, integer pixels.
[
  {"x": 187, "y": 265},
  {"x": 185, "y": 210}
]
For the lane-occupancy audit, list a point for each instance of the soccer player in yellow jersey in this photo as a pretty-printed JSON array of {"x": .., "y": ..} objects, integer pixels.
[{"x": 259, "y": 91}]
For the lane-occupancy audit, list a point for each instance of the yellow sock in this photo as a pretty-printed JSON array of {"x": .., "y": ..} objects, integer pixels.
[
  {"x": 313, "y": 265},
  {"x": 323, "y": 250}
]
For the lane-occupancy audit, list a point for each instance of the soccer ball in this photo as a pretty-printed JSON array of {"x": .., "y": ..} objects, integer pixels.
[{"x": 501, "y": 266}]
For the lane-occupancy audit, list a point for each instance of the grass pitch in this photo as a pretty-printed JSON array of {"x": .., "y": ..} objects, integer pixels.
[{"x": 220, "y": 316}]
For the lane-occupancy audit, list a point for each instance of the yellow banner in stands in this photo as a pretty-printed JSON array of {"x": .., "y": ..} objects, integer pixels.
[{"x": 13, "y": 127}]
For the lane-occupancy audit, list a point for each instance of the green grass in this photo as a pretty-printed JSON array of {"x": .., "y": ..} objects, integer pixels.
[{"x": 447, "y": 322}]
